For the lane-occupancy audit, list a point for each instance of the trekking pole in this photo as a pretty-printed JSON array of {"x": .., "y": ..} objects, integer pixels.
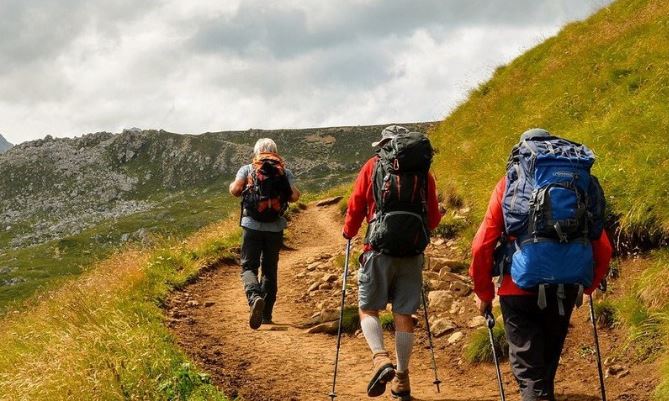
[
  {"x": 594, "y": 331},
  {"x": 333, "y": 394},
  {"x": 490, "y": 322},
  {"x": 429, "y": 338}
]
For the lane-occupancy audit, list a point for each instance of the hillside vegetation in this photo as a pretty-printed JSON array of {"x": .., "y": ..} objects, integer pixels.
[
  {"x": 102, "y": 336},
  {"x": 603, "y": 82}
]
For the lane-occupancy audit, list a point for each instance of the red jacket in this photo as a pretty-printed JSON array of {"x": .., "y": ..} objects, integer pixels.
[
  {"x": 483, "y": 246},
  {"x": 361, "y": 204}
]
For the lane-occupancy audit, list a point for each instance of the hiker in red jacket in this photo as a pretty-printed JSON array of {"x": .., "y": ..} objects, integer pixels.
[
  {"x": 384, "y": 278},
  {"x": 536, "y": 336}
]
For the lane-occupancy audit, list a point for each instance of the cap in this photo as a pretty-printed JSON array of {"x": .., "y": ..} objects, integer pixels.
[{"x": 389, "y": 133}]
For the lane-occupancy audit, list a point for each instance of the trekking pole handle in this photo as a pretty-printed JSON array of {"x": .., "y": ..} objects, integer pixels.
[{"x": 489, "y": 318}]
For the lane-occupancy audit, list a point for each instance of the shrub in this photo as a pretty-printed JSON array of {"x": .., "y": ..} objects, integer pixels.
[{"x": 478, "y": 348}]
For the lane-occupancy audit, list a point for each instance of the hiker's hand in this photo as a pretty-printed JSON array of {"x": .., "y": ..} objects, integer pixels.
[{"x": 483, "y": 306}]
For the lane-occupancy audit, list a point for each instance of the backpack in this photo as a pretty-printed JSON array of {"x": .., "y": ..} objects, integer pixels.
[
  {"x": 554, "y": 207},
  {"x": 267, "y": 191},
  {"x": 399, "y": 226}
]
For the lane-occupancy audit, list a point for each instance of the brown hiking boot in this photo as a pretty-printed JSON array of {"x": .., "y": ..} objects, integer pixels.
[
  {"x": 384, "y": 371},
  {"x": 400, "y": 388}
]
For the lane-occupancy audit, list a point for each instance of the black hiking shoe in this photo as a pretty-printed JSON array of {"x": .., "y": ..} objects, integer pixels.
[
  {"x": 255, "y": 318},
  {"x": 267, "y": 320},
  {"x": 384, "y": 371}
]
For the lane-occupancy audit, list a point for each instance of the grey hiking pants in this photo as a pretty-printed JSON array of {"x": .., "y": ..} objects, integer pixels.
[
  {"x": 536, "y": 338},
  {"x": 261, "y": 249}
]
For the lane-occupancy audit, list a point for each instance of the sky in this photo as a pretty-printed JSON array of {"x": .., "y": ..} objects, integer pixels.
[{"x": 71, "y": 67}]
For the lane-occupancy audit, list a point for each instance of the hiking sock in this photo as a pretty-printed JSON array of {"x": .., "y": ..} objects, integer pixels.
[
  {"x": 403, "y": 347},
  {"x": 371, "y": 328}
]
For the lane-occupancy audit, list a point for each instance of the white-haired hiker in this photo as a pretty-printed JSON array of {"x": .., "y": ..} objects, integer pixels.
[{"x": 266, "y": 187}]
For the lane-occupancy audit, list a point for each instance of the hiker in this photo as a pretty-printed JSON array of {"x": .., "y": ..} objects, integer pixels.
[
  {"x": 266, "y": 187},
  {"x": 546, "y": 217},
  {"x": 397, "y": 195}
]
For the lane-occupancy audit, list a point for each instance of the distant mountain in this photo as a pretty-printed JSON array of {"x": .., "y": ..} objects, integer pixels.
[
  {"x": 56, "y": 187},
  {"x": 4, "y": 144}
]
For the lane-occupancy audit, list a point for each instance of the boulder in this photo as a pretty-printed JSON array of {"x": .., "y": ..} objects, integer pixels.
[{"x": 327, "y": 328}]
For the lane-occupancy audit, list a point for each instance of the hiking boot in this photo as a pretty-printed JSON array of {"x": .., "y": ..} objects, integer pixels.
[
  {"x": 400, "y": 388},
  {"x": 255, "y": 317},
  {"x": 267, "y": 320},
  {"x": 384, "y": 371}
]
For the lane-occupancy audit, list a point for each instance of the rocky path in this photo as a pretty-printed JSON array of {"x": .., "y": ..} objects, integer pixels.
[{"x": 284, "y": 362}]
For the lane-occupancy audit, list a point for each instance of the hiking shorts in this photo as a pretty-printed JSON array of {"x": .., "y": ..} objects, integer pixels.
[{"x": 384, "y": 279}]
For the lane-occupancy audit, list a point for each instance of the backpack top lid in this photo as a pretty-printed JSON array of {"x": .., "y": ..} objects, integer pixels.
[
  {"x": 541, "y": 146},
  {"x": 406, "y": 152}
]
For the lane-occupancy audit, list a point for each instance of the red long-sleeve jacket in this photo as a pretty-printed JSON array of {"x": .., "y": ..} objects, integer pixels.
[
  {"x": 361, "y": 204},
  {"x": 483, "y": 246}
]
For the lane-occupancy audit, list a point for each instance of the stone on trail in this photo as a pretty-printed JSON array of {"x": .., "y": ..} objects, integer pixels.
[
  {"x": 434, "y": 285},
  {"x": 208, "y": 304},
  {"x": 329, "y": 201},
  {"x": 329, "y": 278},
  {"x": 476, "y": 321},
  {"x": 327, "y": 328},
  {"x": 455, "y": 337},
  {"x": 313, "y": 287},
  {"x": 440, "y": 299},
  {"x": 442, "y": 326},
  {"x": 460, "y": 289},
  {"x": 313, "y": 266}
]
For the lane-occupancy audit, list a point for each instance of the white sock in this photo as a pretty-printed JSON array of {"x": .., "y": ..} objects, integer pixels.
[
  {"x": 371, "y": 328},
  {"x": 403, "y": 347}
]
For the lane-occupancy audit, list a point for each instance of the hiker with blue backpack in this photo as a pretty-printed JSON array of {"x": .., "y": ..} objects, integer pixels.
[
  {"x": 396, "y": 193},
  {"x": 265, "y": 186},
  {"x": 543, "y": 237}
]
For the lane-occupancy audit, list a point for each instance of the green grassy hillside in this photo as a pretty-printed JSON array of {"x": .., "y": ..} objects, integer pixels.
[{"x": 603, "y": 82}]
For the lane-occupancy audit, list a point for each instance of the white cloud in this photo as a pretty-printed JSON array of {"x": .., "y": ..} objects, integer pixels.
[{"x": 211, "y": 65}]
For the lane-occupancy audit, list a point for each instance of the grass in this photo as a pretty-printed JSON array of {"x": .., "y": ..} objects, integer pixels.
[
  {"x": 645, "y": 311},
  {"x": 102, "y": 336},
  {"x": 478, "y": 348}
]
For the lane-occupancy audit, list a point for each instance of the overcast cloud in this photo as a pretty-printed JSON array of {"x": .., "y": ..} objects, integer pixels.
[{"x": 69, "y": 67}]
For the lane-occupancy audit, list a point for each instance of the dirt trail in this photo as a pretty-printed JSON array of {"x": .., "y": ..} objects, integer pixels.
[{"x": 282, "y": 362}]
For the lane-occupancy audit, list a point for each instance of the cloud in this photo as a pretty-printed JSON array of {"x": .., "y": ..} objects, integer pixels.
[{"x": 77, "y": 66}]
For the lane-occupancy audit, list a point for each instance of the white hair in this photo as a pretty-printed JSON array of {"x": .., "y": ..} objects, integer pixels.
[{"x": 264, "y": 145}]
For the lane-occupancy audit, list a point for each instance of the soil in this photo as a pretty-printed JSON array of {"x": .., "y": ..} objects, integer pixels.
[{"x": 209, "y": 319}]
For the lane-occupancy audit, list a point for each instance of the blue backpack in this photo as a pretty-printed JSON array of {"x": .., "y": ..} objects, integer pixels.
[{"x": 554, "y": 207}]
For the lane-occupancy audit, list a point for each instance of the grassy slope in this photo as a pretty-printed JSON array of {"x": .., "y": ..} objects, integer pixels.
[
  {"x": 603, "y": 82},
  {"x": 102, "y": 337},
  {"x": 47, "y": 265}
]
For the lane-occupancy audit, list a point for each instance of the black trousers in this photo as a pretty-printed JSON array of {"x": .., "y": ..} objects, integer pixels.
[
  {"x": 536, "y": 338},
  {"x": 261, "y": 249}
]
